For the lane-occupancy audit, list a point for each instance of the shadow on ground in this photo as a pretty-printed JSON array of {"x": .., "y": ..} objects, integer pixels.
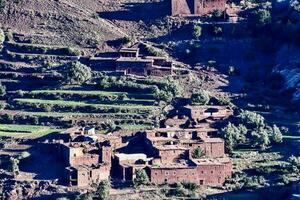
[
  {"x": 44, "y": 162},
  {"x": 139, "y": 11}
]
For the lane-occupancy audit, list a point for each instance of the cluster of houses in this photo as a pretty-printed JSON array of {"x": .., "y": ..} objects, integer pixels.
[
  {"x": 168, "y": 155},
  {"x": 185, "y": 149}
]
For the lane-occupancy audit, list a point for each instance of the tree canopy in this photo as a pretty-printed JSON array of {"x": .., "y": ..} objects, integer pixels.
[
  {"x": 102, "y": 191},
  {"x": 200, "y": 98},
  {"x": 141, "y": 178},
  {"x": 77, "y": 73}
]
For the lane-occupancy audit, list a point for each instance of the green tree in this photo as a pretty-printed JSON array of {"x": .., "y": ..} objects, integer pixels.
[
  {"x": 105, "y": 82},
  {"x": 275, "y": 134},
  {"x": 231, "y": 135},
  {"x": 294, "y": 163},
  {"x": 252, "y": 119},
  {"x": 234, "y": 135},
  {"x": 260, "y": 138},
  {"x": 77, "y": 73},
  {"x": 141, "y": 178},
  {"x": 173, "y": 86},
  {"x": 168, "y": 89},
  {"x": 197, "y": 153},
  {"x": 197, "y": 31},
  {"x": 200, "y": 98},
  {"x": 102, "y": 191}
]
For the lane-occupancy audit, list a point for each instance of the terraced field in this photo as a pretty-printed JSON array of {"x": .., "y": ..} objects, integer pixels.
[
  {"x": 37, "y": 94},
  {"x": 20, "y": 131}
]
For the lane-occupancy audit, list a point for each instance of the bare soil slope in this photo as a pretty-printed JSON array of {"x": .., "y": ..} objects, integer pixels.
[{"x": 60, "y": 22}]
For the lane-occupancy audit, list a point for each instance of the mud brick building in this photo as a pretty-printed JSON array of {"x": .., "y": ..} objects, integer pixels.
[
  {"x": 196, "y": 7},
  {"x": 198, "y": 113},
  {"x": 85, "y": 175},
  {"x": 130, "y": 62},
  {"x": 199, "y": 171},
  {"x": 87, "y": 155}
]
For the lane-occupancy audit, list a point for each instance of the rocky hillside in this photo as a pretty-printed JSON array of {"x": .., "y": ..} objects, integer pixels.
[{"x": 59, "y": 22}]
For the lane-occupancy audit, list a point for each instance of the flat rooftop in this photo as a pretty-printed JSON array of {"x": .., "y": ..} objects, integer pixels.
[
  {"x": 129, "y": 49},
  {"x": 211, "y": 161},
  {"x": 129, "y": 59},
  {"x": 170, "y": 147},
  {"x": 136, "y": 156}
]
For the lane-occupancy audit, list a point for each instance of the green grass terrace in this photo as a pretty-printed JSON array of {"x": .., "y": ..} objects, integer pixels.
[
  {"x": 25, "y": 131},
  {"x": 145, "y": 97},
  {"x": 81, "y": 103}
]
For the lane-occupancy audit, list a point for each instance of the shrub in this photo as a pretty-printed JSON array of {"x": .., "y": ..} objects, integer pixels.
[
  {"x": 2, "y": 4},
  {"x": 200, "y": 98},
  {"x": 217, "y": 14},
  {"x": 102, "y": 191},
  {"x": 261, "y": 17},
  {"x": 217, "y": 31},
  {"x": 2, "y": 106},
  {"x": 2, "y": 90},
  {"x": 13, "y": 166},
  {"x": 254, "y": 182},
  {"x": 197, "y": 31},
  {"x": 2, "y": 36},
  {"x": 190, "y": 186},
  {"x": 86, "y": 196},
  {"x": 223, "y": 101},
  {"x": 179, "y": 191},
  {"x": 154, "y": 51}
]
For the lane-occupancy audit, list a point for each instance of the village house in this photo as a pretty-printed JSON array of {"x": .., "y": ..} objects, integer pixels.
[
  {"x": 198, "y": 113},
  {"x": 196, "y": 7},
  {"x": 131, "y": 63}
]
